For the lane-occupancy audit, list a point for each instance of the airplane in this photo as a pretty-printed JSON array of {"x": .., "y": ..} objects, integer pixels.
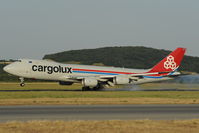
[{"x": 95, "y": 77}]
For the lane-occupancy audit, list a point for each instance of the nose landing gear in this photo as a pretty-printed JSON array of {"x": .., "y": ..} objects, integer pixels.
[{"x": 22, "y": 84}]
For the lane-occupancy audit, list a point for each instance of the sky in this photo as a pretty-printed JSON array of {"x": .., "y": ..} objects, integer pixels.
[{"x": 33, "y": 28}]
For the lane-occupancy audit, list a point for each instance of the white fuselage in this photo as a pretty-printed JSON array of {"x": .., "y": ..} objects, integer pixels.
[
  {"x": 96, "y": 77},
  {"x": 49, "y": 70}
]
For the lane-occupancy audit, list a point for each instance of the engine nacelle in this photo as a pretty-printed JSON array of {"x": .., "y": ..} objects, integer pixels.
[
  {"x": 120, "y": 80},
  {"x": 65, "y": 83},
  {"x": 89, "y": 82}
]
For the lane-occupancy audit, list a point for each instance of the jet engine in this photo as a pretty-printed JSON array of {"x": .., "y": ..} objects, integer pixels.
[
  {"x": 65, "y": 83},
  {"x": 119, "y": 80},
  {"x": 89, "y": 82}
]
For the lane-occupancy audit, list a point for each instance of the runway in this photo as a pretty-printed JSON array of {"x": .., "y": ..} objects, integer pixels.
[
  {"x": 116, "y": 89},
  {"x": 98, "y": 112}
]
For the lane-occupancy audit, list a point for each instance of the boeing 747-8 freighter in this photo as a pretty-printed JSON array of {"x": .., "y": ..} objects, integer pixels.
[{"x": 95, "y": 77}]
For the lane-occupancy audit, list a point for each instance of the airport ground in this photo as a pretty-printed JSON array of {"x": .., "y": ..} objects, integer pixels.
[
  {"x": 112, "y": 126},
  {"x": 54, "y": 94}
]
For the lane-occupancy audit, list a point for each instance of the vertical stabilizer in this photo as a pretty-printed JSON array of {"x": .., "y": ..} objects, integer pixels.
[{"x": 171, "y": 62}]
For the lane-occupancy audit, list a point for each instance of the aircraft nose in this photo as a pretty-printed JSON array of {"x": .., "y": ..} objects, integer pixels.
[{"x": 7, "y": 68}]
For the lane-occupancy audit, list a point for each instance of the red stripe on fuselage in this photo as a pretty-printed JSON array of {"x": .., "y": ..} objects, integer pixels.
[
  {"x": 114, "y": 72},
  {"x": 157, "y": 75},
  {"x": 88, "y": 70}
]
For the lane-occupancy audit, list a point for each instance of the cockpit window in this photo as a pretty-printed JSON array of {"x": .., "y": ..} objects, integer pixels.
[{"x": 30, "y": 61}]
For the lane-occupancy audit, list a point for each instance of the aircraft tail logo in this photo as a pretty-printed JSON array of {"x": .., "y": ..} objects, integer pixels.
[{"x": 171, "y": 62}]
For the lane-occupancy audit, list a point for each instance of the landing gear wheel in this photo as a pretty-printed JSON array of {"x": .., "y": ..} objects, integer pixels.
[
  {"x": 85, "y": 88},
  {"x": 22, "y": 84},
  {"x": 98, "y": 88}
]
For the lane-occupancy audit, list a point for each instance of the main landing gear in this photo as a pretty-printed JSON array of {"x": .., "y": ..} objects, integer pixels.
[
  {"x": 22, "y": 84},
  {"x": 86, "y": 88},
  {"x": 96, "y": 88}
]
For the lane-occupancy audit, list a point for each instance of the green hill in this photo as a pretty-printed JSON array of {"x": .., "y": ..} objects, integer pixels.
[{"x": 129, "y": 57}]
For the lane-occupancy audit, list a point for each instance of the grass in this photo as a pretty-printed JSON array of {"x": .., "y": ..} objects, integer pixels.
[
  {"x": 92, "y": 97},
  {"x": 112, "y": 126},
  {"x": 101, "y": 94}
]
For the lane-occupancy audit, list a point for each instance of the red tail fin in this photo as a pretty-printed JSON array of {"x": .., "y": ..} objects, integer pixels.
[{"x": 171, "y": 62}]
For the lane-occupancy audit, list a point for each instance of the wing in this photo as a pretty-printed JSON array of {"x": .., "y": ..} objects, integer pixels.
[{"x": 112, "y": 80}]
